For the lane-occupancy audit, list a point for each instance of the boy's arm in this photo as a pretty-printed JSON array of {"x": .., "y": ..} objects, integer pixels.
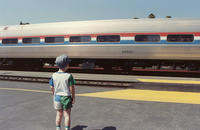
[
  {"x": 72, "y": 90},
  {"x": 51, "y": 85},
  {"x": 52, "y": 89}
]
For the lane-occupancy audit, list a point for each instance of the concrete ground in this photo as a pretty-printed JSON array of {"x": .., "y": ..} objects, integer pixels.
[{"x": 29, "y": 106}]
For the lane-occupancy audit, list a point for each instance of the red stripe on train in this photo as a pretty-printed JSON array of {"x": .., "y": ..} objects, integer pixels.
[{"x": 99, "y": 34}]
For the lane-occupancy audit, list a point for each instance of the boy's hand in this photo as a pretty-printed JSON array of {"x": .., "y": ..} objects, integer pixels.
[
  {"x": 73, "y": 100},
  {"x": 72, "y": 90},
  {"x": 52, "y": 90}
]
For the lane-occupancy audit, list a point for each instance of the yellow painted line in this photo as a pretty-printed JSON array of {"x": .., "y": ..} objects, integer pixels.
[
  {"x": 25, "y": 90},
  {"x": 149, "y": 95},
  {"x": 170, "y": 81}
]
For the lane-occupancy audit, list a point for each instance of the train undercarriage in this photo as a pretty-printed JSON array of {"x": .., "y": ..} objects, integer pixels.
[{"x": 106, "y": 64}]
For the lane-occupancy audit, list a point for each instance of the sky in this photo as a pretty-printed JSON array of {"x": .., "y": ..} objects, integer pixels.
[{"x": 45, "y": 11}]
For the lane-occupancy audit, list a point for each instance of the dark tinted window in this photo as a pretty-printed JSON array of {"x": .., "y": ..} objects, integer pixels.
[
  {"x": 54, "y": 39},
  {"x": 180, "y": 38},
  {"x": 108, "y": 38},
  {"x": 31, "y": 40},
  {"x": 80, "y": 39},
  {"x": 10, "y": 41},
  {"x": 147, "y": 38}
]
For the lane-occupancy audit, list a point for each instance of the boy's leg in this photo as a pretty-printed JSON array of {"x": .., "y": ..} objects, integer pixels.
[
  {"x": 67, "y": 119},
  {"x": 59, "y": 115}
]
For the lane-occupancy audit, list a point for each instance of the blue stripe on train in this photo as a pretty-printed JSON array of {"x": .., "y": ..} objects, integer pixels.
[{"x": 104, "y": 43}]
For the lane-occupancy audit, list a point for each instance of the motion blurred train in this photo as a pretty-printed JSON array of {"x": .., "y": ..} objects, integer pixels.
[{"x": 124, "y": 43}]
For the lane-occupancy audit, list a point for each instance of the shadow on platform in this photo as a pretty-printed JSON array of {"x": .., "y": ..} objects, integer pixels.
[
  {"x": 109, "y": 128},
  {"x": 82, "y": 127},
  {"x": 79, "y": 127}
]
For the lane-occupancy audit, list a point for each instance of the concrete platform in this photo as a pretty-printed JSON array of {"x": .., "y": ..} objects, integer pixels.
[{"x": 29, "y": 106}]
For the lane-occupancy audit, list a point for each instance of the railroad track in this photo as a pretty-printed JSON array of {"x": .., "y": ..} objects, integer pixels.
[
  {"x": 96, "y": 79},
  {"x": 78, "y": 81}
]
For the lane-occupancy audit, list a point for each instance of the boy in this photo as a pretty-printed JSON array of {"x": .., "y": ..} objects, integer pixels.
[{"x": 62, "y": 87}]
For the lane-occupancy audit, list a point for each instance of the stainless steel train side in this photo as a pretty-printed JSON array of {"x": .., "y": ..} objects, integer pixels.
[{"x": 109, "y": 53}]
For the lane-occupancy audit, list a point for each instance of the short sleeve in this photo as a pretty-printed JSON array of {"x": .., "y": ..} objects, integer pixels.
[
  {"x": 51, "y": 82},
  {"x": 71, "y": 81}
]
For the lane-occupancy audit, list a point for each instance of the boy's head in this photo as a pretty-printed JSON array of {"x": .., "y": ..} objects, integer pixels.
[{"x": 62, "y": 61}]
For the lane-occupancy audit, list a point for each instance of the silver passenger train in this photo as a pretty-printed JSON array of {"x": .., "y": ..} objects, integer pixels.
[{"x": 121, "y": 43}]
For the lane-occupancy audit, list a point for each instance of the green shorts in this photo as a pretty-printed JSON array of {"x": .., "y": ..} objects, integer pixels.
[{"x": 62, "y": 102}]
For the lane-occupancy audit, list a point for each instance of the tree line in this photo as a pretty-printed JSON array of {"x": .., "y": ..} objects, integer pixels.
[{"x": 152, "y": 16}]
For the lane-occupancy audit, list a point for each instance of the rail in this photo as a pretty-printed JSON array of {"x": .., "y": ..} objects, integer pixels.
[
  {"x": 97, "y": 79},
  {"x": 78, "y": 81}
]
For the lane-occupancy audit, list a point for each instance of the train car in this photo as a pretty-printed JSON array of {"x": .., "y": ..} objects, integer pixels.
[{"x": 121, "y": 43}]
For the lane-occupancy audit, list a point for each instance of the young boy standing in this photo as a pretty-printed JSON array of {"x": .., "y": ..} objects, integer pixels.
[{"x": 62, "y": 87}]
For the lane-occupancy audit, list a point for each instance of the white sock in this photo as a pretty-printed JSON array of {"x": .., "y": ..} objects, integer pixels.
[
  {"x": 58, "y": 128},
  {"x": 67, "y": 128}
]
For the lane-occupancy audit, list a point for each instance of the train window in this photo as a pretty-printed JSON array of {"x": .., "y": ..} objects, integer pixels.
[
  {"x": 180, "y": 38},
  {"x": 147, "y": 38},
  {"x": 80, "y": 39},
  {"x": 54, "y": 39},
  {"x": 10, "y": 41},
  {"x": 31, "y": 40},
  {"x": 108, "y": 38}
]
